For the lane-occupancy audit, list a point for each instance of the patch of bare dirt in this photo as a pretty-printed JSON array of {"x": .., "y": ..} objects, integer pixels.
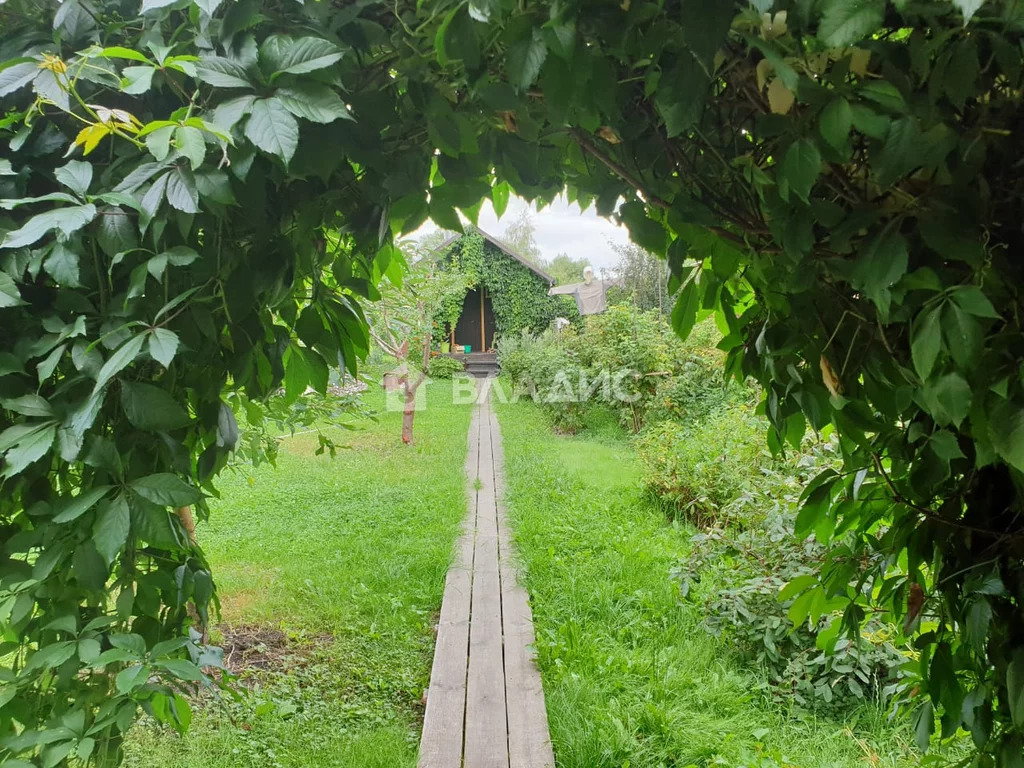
[{"x": 250, "y": 648}]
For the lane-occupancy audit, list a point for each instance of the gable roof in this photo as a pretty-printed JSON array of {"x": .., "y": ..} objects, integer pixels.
[{"x": 501, "y": 247}]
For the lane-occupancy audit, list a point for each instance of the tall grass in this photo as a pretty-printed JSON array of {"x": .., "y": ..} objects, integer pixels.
[
  {"x": 632, "y": 678},
  {"x": 346, "y": 558}
]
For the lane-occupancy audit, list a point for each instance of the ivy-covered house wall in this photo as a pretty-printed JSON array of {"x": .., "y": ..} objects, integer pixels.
[{"x": 518, "y": 292}]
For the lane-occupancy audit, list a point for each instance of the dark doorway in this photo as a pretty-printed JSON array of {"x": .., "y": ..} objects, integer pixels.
[{"x": 476, "y": 323}]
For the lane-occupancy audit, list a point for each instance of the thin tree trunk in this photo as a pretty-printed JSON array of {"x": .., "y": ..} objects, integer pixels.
[
  {"x": 189, "y": 524},
  {"x": 409, "y": 414}
]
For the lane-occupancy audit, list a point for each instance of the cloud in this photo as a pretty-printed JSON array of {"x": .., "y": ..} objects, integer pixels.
[{"x": 560, "y": 228}]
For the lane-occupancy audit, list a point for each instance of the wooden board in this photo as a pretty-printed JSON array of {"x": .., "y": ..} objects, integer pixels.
[
  {"x": 443, "y": 722},
  {"x": 486, "y": 721},
  {"x": 529, "y": 741}
]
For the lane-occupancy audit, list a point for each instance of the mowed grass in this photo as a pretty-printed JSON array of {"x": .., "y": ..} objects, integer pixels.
[
  {"x": 632, "y": 679},
  {"x": 346, "y": 558}
]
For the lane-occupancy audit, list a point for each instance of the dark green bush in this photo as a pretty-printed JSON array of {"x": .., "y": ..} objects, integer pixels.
[
  {"x": 514, "y": 354},
  {"x": 697, "y": 469},
  {"x": 626, "y": 339},
  {"x": 715, "y": 472},
  {"x": 741, "y": 574},
  {"x": 444, "y": 367}
]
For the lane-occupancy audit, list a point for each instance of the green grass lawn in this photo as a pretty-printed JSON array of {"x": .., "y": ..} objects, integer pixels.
[
  {"x": 330, "y": 574},
  {"x": 632, "y": 679}
]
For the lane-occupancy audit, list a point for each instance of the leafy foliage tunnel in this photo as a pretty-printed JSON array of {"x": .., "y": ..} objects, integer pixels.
[{"x": 199, "y": 195}]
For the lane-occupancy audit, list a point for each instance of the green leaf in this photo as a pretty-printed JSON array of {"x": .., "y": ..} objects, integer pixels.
[
  {"x": 812, "y": 509},
  {"x": 120, "y": 52},
  {"x": 48, "y": 87},
  {"x": 684, "y": 313},
  {"x": 50, "y": 656},
  {"x": 845, "y": 22},
  {"x": 46, "y": 368},
  {"x": 499, "y": 198},
  {"x": 135, "y": 644},
  {"x": 28, "y": 405},
  {"x": 227, "y": 428},
  {"x": 296, "y": 374},
  {"x": 681, "y": 95},
  {"x": 166, "y": 490},
  {"x": 1015, "y": 686},
  {"x": 440, "y": 39},
  {"x": 181, "y": 190},
  {"x": 182, "y": 669},
  {"x": 151, "y": 408},
  {"x": 947, "y": 399},
  {"x": 972, "y": 300},
  {"x": 228, "y": 113},
  {"x": 73, "y": 508},
  {"x": 926, "y": 340},
  {"x": 644, "y": 231},
  {"x": 190, "y": 143},
  {"x": 801, "y": 167},
  {"x": 923, "y": 723},
  {"x": 88, "y": 650},
  {"x": 33, "y": 443},
  {"x": 883, "y": 93},
  {"x": 272, "y": 128},
  {"x": 76, "y": 176},
  {"x": 119, "y": 360},
  {"x": 796, "y": 586},
  {"x": 111, "y": 530},
  {"x": 130, "y": 678},
  {"x": 137, "y": 80},
  {"x": 17, "y": 76},
  {"x": 456, "y": 39},
  {"x": 153, "y": 197},
  {"x": 307, "y": 54},
  {"x": 62, "y": 266},
  {"x": 979, "y": 616},
  {"x": 163, "y": 344},
  {"x": 66, "y": 220},
  {"x": 313, "y": 101},
  {"x": 879, "y": 266},
  {"x": 117, "y": 232},
  {"x": 869, "y": 122},
  {"x": 61, "y": 197},
  {"x": 562, "y": 37},
  {"x": 524, "y": 59},
  {"x": 1006, "y": 430},
  {"x": 835, "y": 122},
  {"x": 10, "y": 296},
  {"x": 222, "y": 73},
  {"x": 964, "y": 336}
]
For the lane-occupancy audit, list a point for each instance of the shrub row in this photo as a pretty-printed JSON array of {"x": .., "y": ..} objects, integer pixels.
[{"x": 703, "y": 451}]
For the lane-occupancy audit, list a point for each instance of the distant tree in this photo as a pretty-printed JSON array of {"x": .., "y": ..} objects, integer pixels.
[
  {"x": 520, "y": 236},
  {"x": 565, "y": 269},
  {"x": 403, "y": 321},
  {"x": 643, "y": 276},
  {"x": 431, "y": 241}
]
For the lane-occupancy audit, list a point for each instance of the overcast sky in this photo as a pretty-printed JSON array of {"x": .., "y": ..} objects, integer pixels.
[{"x": 560, "y": 228}]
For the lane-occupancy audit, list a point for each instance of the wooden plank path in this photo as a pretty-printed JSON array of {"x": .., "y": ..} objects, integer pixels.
[{"x": 485, "y": 703}]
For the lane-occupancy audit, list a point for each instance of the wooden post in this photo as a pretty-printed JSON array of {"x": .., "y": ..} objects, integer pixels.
[{"x": 483, "y": 329}]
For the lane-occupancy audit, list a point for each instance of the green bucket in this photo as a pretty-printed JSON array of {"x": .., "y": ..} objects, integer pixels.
[{"x": 469, "y": 348}]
